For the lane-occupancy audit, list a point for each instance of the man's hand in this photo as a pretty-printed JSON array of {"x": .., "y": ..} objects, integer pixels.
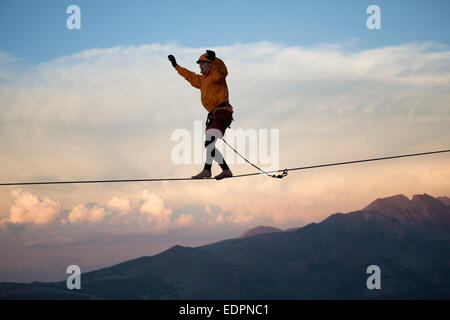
[
  {"x": 172, "y": 59},
  {"x": 211, "y": 55}
]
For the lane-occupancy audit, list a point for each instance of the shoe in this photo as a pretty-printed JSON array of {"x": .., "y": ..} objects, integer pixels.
[
  {"x": 204, "y": 174},
  {"x": 224, "y": 174}
]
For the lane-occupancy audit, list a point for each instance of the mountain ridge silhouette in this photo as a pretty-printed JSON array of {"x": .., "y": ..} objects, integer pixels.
[{"x": 408, "y": 239}]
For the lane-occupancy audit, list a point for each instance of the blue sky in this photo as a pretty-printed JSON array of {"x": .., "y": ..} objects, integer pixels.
[{"x": 35, "y": 31}]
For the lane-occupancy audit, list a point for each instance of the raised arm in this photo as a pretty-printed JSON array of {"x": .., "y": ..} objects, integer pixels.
[{"x": 193, "y": 78}]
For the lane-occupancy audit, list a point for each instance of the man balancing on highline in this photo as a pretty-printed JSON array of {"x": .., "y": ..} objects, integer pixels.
[{"x": 214, "y": 96}]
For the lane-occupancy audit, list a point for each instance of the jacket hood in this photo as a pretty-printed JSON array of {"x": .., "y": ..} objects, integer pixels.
[{"x": 203, "y": 58}]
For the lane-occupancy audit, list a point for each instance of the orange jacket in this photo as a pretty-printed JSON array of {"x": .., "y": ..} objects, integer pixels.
[{"x": 213, "y": 86}]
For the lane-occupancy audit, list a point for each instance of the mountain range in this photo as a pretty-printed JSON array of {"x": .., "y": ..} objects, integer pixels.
[{"x": 409, "y": 240}]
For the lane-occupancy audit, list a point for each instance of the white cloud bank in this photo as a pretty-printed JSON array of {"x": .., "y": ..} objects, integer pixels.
[
  {"x": 81, "y": 213},
  {"x": 150, "y": 215},
  {"x": 124, "y": 85},
  {"x": 28, "y": 208}
]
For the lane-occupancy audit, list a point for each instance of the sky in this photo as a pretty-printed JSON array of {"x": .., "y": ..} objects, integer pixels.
[{"x": 307, "y": 79}]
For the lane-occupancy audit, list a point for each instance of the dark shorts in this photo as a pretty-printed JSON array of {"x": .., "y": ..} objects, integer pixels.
[{"x": 221, "y": 121}]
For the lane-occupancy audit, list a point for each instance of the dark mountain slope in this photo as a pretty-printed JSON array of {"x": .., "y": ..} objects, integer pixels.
[{"x": 408, "y": 239}]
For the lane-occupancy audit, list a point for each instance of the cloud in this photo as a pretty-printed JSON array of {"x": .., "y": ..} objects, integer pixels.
[
  {"x": 184, "y": 220},
  {"x": 8, "y": 72},
  {"x": 82, "y": 213},
  {"x": 121, "y": 204},
  {"x": 28, "y": 208},
  {"x": 156, "y": 210},
  {"x": 151, "y": 212},
  {"x": 44, "y": 222},
  {"x": 124, "y": 85}
]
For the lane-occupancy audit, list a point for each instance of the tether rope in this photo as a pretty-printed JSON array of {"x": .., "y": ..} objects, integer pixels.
[{"x": 283, "y": 171}]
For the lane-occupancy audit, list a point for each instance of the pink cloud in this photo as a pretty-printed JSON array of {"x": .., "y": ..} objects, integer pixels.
[
  {"x": 81, "y": 213},
  {"x": 122, "y": 205},
  {"x": 28, "y": 208}
]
